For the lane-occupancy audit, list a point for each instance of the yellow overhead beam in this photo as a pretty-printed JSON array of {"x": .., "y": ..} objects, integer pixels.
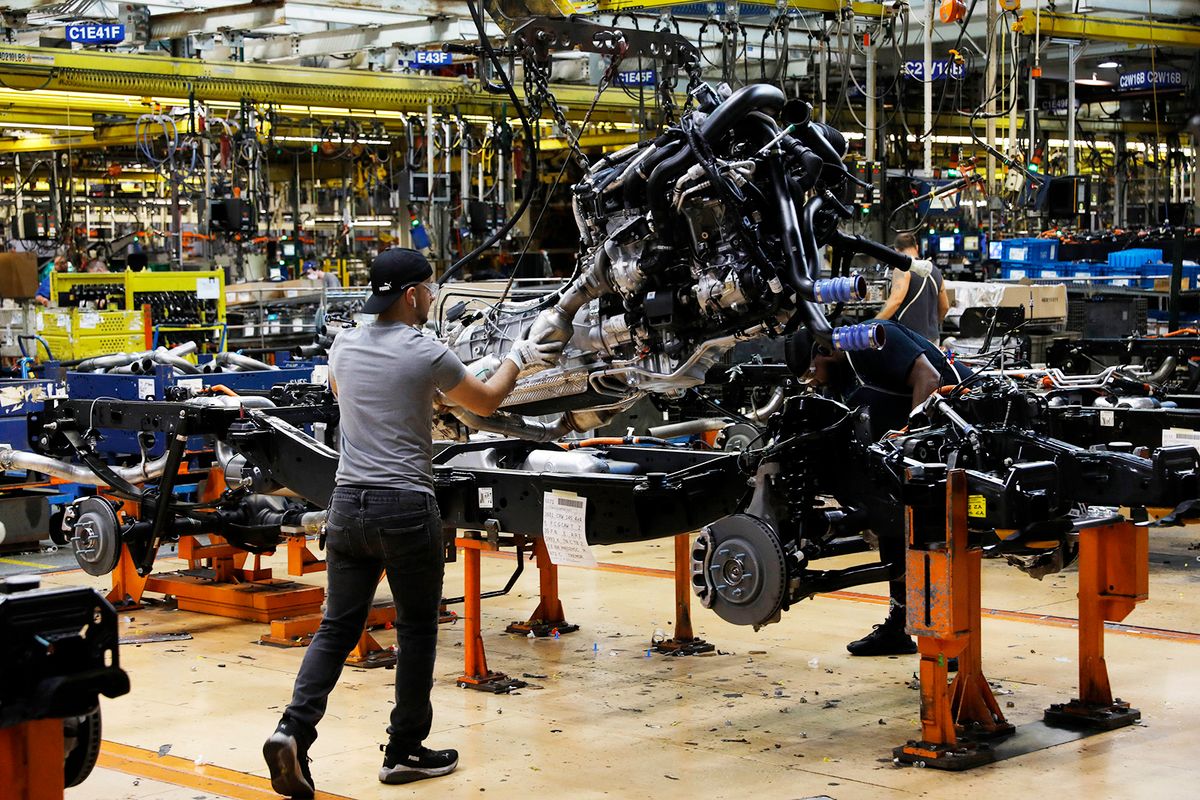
[
  {"x": 820, "y": 6},
  {"x": 1111, "y": 29},
  {"x": 132, "y": 77}
]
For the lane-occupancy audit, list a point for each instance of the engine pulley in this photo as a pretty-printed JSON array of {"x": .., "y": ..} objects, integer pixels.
[
  {"x": 96, "y": 536},
  {"x": 738, "y": 570}
]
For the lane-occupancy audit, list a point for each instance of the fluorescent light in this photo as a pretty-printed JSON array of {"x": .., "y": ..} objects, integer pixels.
[
  {"x": 1093, "y": 81},
  {"x": 316, "y": 140},
  {"x": 1110, "y": 64},
  {"x": 41, "y": 127}
]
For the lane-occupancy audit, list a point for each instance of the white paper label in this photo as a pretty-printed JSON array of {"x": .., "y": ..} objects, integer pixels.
[
  {"x": 320, "y": 374},
  {"x": 297, "y": 324},
  {"x": 564, "y": 529},
  {"x": 145, "y": 388},
  {"x": 1016, "y": 273},
  {"x": 89, "y": 319},
  {"x": 1108, "y": 419},
  {"x": 191, "y": 384},
  {"x": 41, "y": 322},
  {"x": 63, "y": 321},
  {"x": 1017, "y": 253},
  {"x": 1172, "y": 436},
  {"x": 486, "y": 497},
  {"x": 208, "y": 289}
]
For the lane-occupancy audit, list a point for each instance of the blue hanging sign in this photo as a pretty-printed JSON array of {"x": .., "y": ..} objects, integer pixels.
[
  {"x": 941, "y": 69},
  {"x": 92, "y": 33},
  {"x": 1151, "y": 79},
  {"x": 430, "y": 59},
  {"x": 637, "y": 77}
]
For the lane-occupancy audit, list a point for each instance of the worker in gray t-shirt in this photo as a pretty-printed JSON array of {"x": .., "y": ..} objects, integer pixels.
[
  {"x": 917, "y": 302},
  {"x": 328, "y": 279},
  {"x": 383, "y": 517}
]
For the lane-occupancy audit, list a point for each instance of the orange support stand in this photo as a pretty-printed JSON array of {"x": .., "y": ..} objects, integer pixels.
[
  {"x": 943, "y": 605},
  {"x": 684, "y": 642},
  {"x": 476, "y": 674},
  {"x": 31, "y": 760},
  {"x": 548, "y": 618},
  {"x": 1114, "y": 576}
]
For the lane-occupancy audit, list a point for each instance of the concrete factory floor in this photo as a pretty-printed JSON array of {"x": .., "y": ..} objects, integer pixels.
[{"x": 783, "y": 713}]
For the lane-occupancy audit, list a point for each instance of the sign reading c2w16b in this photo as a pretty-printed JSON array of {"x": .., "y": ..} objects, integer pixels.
[
  {"x": 96, "y": 34},
  {"x": 1151, "y": 79},
  {"x": 940, "y": 70}
]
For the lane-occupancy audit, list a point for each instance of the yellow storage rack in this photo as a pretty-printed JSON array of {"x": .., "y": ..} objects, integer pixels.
[
  {"x": 73, "y": 333},
  {"x": 128, "y": 289}
]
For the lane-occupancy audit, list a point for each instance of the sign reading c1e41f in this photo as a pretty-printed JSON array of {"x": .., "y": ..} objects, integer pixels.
[
  {"x": 96, "y": 34},
  {"x": 1151, "y": 79}
]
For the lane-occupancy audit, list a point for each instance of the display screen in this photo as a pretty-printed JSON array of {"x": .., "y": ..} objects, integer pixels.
[
  {"x": 970, "y": 243},
  {"x": 945, "y": 244},
  {"x": 289, "y": 249},
  {"x": 995, "y": 250}
]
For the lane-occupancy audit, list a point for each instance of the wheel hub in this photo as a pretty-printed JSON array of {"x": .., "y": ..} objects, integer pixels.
[{"x": 738, "y": 570}]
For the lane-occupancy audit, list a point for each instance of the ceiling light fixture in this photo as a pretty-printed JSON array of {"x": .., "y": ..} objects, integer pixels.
[
  {"x": 1110, "y": 64},
  {"x": 1093, "y": 81}
]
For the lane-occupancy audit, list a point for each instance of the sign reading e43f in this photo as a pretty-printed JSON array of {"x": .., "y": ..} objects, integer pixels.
[{"x": 96, "y": 34}]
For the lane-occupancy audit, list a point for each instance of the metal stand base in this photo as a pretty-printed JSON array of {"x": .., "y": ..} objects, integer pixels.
[
  {"x": 1077, "y": 714},
  {"x": 373, "y": 659},
  {"x": 493, "y": 683},
  {"x": 954, "y": 758},
  {"x": 683, "y": 647},
  {"x": 542, "y": 629}
]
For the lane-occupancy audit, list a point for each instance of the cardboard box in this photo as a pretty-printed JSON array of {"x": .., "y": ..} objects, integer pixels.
[
  {"x": 1047, "y": 301},
  {"x": 18, "y": 275}
]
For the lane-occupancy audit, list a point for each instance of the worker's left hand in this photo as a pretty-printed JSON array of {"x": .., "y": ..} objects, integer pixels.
[{"x": 527, "y": 353}]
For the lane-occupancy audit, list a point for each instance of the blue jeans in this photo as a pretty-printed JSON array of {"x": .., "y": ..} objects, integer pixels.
[{"x": 369, "y": 532}]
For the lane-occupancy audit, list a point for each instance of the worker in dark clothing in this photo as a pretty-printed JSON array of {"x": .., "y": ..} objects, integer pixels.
[
  {"x": 890, "y": 383},
  {"x": 917, "y": 301},
  {"x": 383, "y": 516}
]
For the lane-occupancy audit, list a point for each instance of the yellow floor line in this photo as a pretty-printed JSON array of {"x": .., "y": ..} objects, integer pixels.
[
  {"x": 21, "y": 563},
  {"x": 182, "y": 772}
]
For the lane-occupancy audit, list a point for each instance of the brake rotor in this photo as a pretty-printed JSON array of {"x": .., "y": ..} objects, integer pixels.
[
  {"x": 738, "y": 570},
  {"x": 738, "y": 437},
  {"x": 96, "y": 536}
]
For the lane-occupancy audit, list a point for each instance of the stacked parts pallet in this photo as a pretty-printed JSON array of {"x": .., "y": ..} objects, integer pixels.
[{"x": 199, "y": 296}]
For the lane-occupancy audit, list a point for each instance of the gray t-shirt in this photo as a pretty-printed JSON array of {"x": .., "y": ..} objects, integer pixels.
[
  {"x": 919, "y": 311},
  {"x": 386, "y": 374}
]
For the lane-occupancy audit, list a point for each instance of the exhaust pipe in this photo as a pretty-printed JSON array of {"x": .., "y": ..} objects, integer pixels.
[
  {"x": 242, "y": 362},
  {"x": 78, "y": 473}
]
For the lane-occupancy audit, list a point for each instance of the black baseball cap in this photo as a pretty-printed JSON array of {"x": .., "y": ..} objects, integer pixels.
[{"x": 393, "y": 271}]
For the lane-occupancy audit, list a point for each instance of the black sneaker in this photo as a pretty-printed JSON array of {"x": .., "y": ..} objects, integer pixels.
[
  {"x": 884, "y": 640},
  {"x": 286, "y": 753},
  {"x": 417, "y": 765}
]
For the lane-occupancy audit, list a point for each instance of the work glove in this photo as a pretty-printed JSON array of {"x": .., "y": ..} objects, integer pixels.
[
  {"x": 921, "y": 267},
  {"x": 527, "y": 353}
]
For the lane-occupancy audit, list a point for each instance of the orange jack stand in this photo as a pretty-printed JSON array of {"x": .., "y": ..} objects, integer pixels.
[
  {"x": 476, "y": 674},
  {"x": 1114, "y": 576},
  {"x": 31, "y": 760},
  {"x": 547, "y": 619},
  {"x": 684, "y": 642},
  {"x": 943, "y": 606}
]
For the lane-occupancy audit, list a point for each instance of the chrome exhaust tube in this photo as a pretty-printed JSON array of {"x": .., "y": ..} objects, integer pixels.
[{"x": 78, "y": 473}]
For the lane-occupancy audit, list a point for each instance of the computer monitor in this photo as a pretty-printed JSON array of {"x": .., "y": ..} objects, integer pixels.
[
  {"x": 995, "y": 250},
  {"x": 970, "y": 243},
  {"x": 945, "y": 244},
  {"x": 289, "y": 249}
]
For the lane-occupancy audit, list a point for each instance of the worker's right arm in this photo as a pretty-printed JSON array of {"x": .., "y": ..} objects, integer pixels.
[
  {"x": 899, "y": 291},
  {"x": 483, "y": 398},
  {"x": 924, "y": 380}
]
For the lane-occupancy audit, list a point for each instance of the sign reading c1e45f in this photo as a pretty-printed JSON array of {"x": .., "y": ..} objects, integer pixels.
[
  {"x": 1151, "y": 79},
  {"x": 96, "y": 34}
]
